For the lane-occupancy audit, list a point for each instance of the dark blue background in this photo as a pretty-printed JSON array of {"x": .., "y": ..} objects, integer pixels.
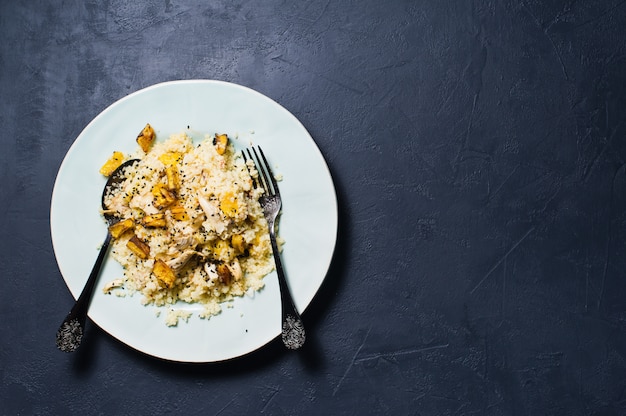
[{"x": 478, "y": 151}]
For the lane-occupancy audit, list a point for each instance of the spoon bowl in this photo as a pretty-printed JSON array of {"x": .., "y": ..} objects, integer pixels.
[{"x": 70, "y": 333}]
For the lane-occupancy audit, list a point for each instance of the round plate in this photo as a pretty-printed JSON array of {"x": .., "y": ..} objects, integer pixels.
[{"x": 308, "y": 223}]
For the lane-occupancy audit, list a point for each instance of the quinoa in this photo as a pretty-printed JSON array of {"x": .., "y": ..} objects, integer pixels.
[{"x": 212, "y": 233}]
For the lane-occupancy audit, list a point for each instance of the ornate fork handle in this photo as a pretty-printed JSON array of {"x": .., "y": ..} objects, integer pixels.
[{"x": 292, "y": 332}]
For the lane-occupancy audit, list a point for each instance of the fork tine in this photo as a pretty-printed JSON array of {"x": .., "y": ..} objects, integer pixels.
[
  {"x": 259, "y": 180},
  {"x": 270, "y": 173},
  {"x": 262, "y": 167}
]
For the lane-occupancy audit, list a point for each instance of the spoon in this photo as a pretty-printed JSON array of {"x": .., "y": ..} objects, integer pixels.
[{"x": 70, "y": 333}]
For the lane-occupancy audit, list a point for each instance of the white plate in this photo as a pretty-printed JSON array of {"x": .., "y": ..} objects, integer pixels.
[{"x": 308, "y": 223}]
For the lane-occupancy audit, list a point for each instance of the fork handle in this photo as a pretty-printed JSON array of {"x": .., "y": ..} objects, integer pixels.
[{"x": 292, "y": 332}]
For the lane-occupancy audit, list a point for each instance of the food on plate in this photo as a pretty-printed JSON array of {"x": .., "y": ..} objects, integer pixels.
[
  {"x": 112, "y": 163},
  {"x": 146, "y": 137},
  {"x": 138, "y": 247},
  {"x": 220, "y": 141},
  {"x": 121, "y": 227},
  {"x": 191, "y": 228}
]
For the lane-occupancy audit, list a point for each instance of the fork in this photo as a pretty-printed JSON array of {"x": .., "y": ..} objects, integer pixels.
[{"x": 292, "y": 333}]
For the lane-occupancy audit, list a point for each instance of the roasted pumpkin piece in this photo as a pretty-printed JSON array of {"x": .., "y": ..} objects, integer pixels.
[
  {"x": 238, "y": 243},
  {"x": 222, "y": 250},
  {"x": 171, "y": 173},
  {"x": 229, "y": 204},
  {"x": 220, "y": 142},
  {"x": 170, "y": 158},
  {"x": 138, "y": 247},
  {"x": 224, "y": 274},
  {"x": 113, "y": 163},
  {"x": 146, "y": 138},
  {"x": 162, "y": 196},
  {"x": 154, "y": 220},
  {"x": 164, "y": 273},
  {"x": 179, "y": 213},
  {"x": 121, "y": 227}
]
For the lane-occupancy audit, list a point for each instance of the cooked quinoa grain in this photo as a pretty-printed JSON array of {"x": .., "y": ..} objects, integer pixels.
[{"x": 198, "y": 234}]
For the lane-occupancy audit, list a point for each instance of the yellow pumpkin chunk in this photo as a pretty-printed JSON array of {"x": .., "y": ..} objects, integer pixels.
[
  {"x": 121, "y": 227},
  {"x": 179, "y": 213},
  {"x": 146, "y": 138},
  {"x": 164, "y": 273},
  {"x": 138, "y": 247},
  {"x": 172, "y": 178},
  {"x": 154, "y": 221},
  {"x": 221, "y": 143},
  {"x": 170, "y": 158},
  {"x": 238, "y": 243},
  {"x": 162, "y": 196},
  {"x": 223, "y": 251},
  {"x": 229, "y": 204},
  {"x": 113, "y": 163}
]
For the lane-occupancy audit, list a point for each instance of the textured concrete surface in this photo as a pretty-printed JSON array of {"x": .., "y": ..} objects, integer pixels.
[{"x": 478, "y": 150}]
